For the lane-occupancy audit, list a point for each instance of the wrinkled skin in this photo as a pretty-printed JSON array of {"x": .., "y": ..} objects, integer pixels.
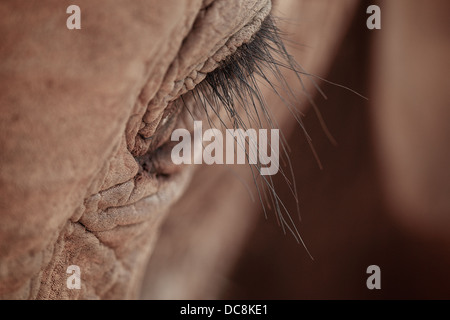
[
  {"x": 72, "y": 191},
  {"x": 75, "y": 105}
]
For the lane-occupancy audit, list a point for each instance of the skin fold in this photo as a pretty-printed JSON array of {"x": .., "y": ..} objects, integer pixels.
[
  {"x": 72, "y": 192},
  {"x": 85, "y": 175},
  {"x": 75, "y": 108},
  {"x": 184, "y": 265}
]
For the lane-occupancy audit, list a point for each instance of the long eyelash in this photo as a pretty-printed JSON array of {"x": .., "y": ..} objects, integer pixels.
[{"x": 234, "y": 83}]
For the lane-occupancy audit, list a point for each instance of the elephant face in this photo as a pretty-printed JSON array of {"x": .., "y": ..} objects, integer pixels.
[
  {"x": 87, "y": 115},
  {"x": 90, "y": 180},
  {"x": 86, "y": 174}
]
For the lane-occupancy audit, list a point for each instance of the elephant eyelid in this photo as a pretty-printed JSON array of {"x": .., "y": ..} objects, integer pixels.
[{"x": 234, "y": 81}]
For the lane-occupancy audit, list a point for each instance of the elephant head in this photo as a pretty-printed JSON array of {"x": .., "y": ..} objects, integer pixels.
[
  {"x": 86, "y": 175},
  {"x": 87, "y": 113}
]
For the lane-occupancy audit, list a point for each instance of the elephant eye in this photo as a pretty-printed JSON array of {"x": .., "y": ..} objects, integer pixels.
[
  {"x": 234, "y": 87},
  {"x": 236, "y": 81}
]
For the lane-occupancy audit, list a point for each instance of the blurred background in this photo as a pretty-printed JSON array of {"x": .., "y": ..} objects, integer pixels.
[{"x": 382, "y": 197}]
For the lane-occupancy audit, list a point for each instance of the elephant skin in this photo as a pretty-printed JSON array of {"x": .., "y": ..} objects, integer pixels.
[{"x": 85, "y": 173}]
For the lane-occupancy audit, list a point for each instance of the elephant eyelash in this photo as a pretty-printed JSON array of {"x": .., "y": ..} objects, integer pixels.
[{"x": 236, "y": 82}]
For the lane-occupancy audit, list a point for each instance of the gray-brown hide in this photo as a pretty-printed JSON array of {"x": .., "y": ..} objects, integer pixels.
[{"x": 75, "y": 105}]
